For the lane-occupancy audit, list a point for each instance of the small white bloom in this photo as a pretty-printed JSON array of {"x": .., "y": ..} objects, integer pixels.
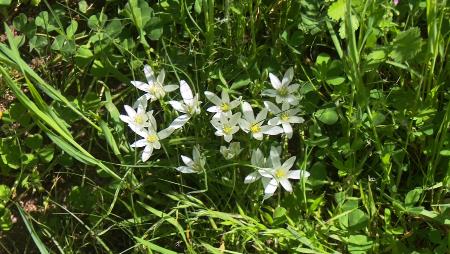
[
  {"x": 154, "y": 88},
  {"x": 258, "y": 161},
  {"x": 255, "y": 125},
  {"x": 194, "y": 165},
  {"x": 284, "y": 116},
  {"x": 280, "y": 174},
  {"x": 150, "y": 140},
  {"x": 137, "y": 119},
  {"x": 189, "y": 106},
  {"x": 283, "y": 91},
  {"x": 226, "y": 126},
  {"x": 221, "y": 105},
  {"x": 232, "y": 151}
]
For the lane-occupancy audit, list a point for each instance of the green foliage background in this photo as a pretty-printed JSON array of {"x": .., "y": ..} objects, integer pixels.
[{"x": 375, "y": 97}]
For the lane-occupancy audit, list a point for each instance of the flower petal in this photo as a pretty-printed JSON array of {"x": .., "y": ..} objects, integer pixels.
[
  {"x": 161, "y": 76},
  {"x": 164, "y": 133},
  {"x": 186, "y": 92},
  {"x": 147, "y": 153},
  {"x": 178, "y": 106},
  {"x": 271, "y": 130},
  {"x": 271, "y": 187},
  {"x": 140, "y": 85},
  {"x": 274, "y": 81},
  {"x": 139, "y": 143},
  {"x": 213, "y": 98},
  {"x": 253, "y": 177},
  {"x": 187, "y": 161},
  {"x": 289, "y": 163},
  {"x": 288, "y": 76},
  {"x": 297, "y": 174},
  {"x": 296, "y": 119},
  {"x": 286, "y": 185},
  {"x": 186, "y": 170},
  {"x": 274, "y": 109},
  {"x": 149, "y": 74},
  {"x": 275, "y": 157},
  {"x": 262, "y": 115},
  {"x": 248, "y": 112},
  {"x": 170, "y": 88},
  {"x": 287, "y": 129}
]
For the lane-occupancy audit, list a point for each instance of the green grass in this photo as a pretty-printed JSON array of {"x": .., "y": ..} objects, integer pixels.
[{"x": 373, "y": 93}]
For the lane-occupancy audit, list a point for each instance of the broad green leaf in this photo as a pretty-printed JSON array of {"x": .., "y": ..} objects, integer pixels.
[
  {"x": 406, "y": 45},
  {"x": 413, "y": 197},
  {"x": 5, "y": 193},
  {"x": 198, "y": 6},
  {"x": 71, "y": 29},
  {"x": 336, "y": 11},
  {"x": 34, "y": 141},
  {"x": 5, "y": 2},
  {"x": 20, "y": 21},
  {"x": 82, "y": 6},
  {"x": 38, "y": 42},
  {"x": 327, "y": 116},
  {"x": 46, "y": 154},
  {"x": 42, "y": 20}
]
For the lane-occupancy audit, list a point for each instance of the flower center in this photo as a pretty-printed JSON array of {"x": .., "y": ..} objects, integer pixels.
[
  {"x": 255, "y": 128},
  {"x": 227, "y": 129},
  {"x": 284, "y": 117},
  {"x": 157, "y": 91},
  {"x": 139, "y": 120},
  {"x": 283, "y": 91},
  {"x": 152, "y": 138},
  {"x": 225, "y": 107},
  {"x": 280, "y": 173}
]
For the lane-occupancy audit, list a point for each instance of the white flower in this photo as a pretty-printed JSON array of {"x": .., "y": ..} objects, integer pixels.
[
  {"x": 258, "y": 161},
  {"x": 221, "y": 105},
  {"x": 255, "y": 125},
  {"x": 286, "y": 116},
  {"x": 189, "y": 106},
  {"x": 194, "y": 165},
  {"x": 232, "y": 151},
  {"x": 280, "y": 174},
  {"x": 283, "y": 92},
  {"x": 137, "y": 119},
  {"x": 150, "y": 140},
  {"x": 226, "y": 126},
  {"x": 154, "y": 88}
]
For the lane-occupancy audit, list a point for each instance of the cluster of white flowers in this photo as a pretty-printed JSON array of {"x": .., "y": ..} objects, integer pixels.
[
  {"x": 143, "y": 123},
  {"x": 226, "y": 122}
]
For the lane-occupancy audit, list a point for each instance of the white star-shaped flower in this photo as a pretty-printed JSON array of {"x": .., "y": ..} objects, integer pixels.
[
  {"x": 194, "y": 165},
  {"x": 232, "y": 151},
  {"x": 226, "y": 126},
  {"x": 284, "y": 116},
  {"x": 280, "y": 174},
  {"x": 150, "y": 140},
  {"x": 189, "y": 106},
  {"x": 154, "y": 88},
  {"x": 255, "y": 125},
  {"x": 258, "y": 161},
  {"x": 137, "y": 119},
  {"x": 221, "y": 105},
  {"x": 283, "y": 91}
]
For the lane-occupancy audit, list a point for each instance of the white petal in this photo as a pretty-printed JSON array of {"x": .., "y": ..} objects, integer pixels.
[
  {"x": 275, "y": 81},
  {"x": 225, "y": 96},
  {"x": 257, "y": 136},
  {"x": 228, "y": 138},
  {"x": 297, "y": 174},
  {"x": 125, "y": 119},
  {"x": 187, "y": 161},
  {"x": 257, "y": 158},
  {"x": 265, "y": 172},
  {"x": 275, "y": 157},
  {"x": 161, "y": 77},
  {"x": 152, "y": 119},
  {"x": 147, "y": 153},
  {"x": 149, "y": 74},
  {"x": 186, "y": 92},
  {"x": 162, "y": 134},
  {"x": 252, "y": 177},
  {"x": 269, "y": 92},
  {"x": 130, "y": 111},
  {"x": 289, "y": 163},
  {"x": 156, "y": 145},
  {"x": 296, "y": 119},
  {"x": 261, "y": 116},
  {"x": 287, "y": 129},
  {"x": 288, "y": 76},
  {"x": 293, "y": 88},
  {"x": 170, "y": 88},
  {"x": 235, "y": 118},
  {"x": 213, "y": 109},
  {"x": 139, "y": 143},
  {"x": 178, "y": 106},
  {"x": 140, "y": 85},
  {"x": 274, "y": 109},
  {"x": 245, "y": 126},
  {"x": 286, "y": 185},
  {"x": 186, "y": 170},
  {"x": 271, "y": 187},
  {"x": 248, "y": 112},
  {"x": 213, "y": 98},
  {"x": 274, "y": 121},
  {"x": 234, "y": 104},
  {"x": 234, "y": 129},
  {"x": 271, "y": 130}
]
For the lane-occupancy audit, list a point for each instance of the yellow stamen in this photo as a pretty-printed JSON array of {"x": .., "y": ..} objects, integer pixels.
[
  {"x": 284, "y": 117},
  {"x": 283, "y": 91},
  {"x": 255, "y": 128},
  {"x": 225, "y": 107},
  {"x": 280, "y": 173},
  {"x": 138, "y": 120},
  {"x": 152, "y": 138},
  {"x": 227, "y": 130}
]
